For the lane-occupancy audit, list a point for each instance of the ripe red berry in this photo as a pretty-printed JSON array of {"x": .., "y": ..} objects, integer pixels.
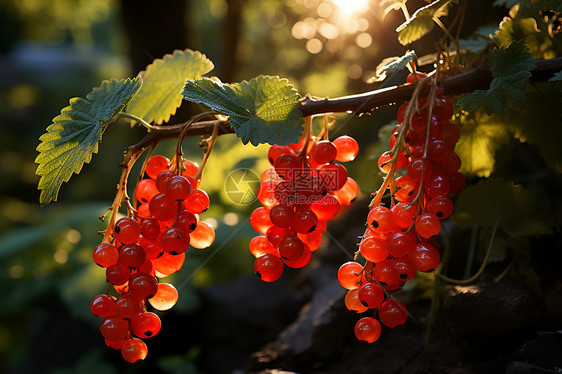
[
  {"x": 268, "y": 267},
  {"x": 165, "y": 298},
  {"x": 304, "y": 221},
  {"x": 347, "y": 148},
  {"x": 197, "y": 202},
  {"x": 117, "y": 274},
  {"x": 352, "y": 302},
  {"x": 163, "y": 179},
  {"x": 427, "y": 225},
  {"x": 132, "y": 255},
  {"x": 290, "y": 248},
  {"x": 367, "y": 329},
  {"x": 324, "y": 152},
  {"x": 127, "y": 307},
  {"x": 127, "y": 230},
  {"x": 175, "y": 241},
  {"x": 425, "y": 257},
  {"x": 114, "y": 328},
  {"x": 350, "y": 275},
  {"x": 400, "y": 243},
  {"x": 203, "y": 235},
  {"x": 281, "y": 215},
  {"x": 178, "y": 188},
  {"x": 162, "y": 207},
  {"x": 156, "y": 165},
  {"x": 143, "y": 285},
  {"x": 134, "y": 350},
  {"x": 393, "y": 313},
  {"x": 146, "y": 325},
  {"x": 145, "y": 190},
  {"x": 105, "y": 255},
  {"x": 102, "y": 305},
  {"x": 371, "y": 295}
]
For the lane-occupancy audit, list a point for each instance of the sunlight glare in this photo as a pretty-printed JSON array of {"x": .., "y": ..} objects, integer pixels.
[{"x": 352, "y": 6}]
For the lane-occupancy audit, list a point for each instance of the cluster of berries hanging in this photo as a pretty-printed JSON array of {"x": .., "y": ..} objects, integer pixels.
[
  {"x": 422, "y": 174},
  {"x": 149, "y": 245},
  {"x": 301, "y": 192}
]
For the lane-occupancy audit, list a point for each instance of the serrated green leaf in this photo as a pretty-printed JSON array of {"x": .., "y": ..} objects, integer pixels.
[
  {"x": 510, "y": 69},
  {"x": 557, "y": 77},
  {"x": 263, "y": 110},
  {"x": 494, "y": 200},
  {"x": 421, "y": 21},
  {"x": 539, "y": 122},
  {"x": 74, "y": 135},
  {"x": 481, "y": 136},
  {"x": 392, "y": 64},
  {"x": 164, "y": 80},
  {"x": 388, "y": 5}
]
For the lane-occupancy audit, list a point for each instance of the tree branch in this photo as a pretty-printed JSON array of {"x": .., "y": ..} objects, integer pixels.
[{"x": 475, "y": 79}]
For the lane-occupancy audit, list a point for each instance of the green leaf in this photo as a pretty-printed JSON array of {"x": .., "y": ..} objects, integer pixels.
[
  {"x": 514, "y": 208},
  {"x": 164, "y": 79},
  {"x": 481, "y": 136},
  {"x": 392, "y": 64},
  {"x": 539, "y": 122},
  {"x": 558, "y": 79},
  {"x": 389, "y": 5},
  {"x": 263, "y": 110},
  {"x": 74, "y": 135},
  {"x": 421, "y": 22},
  {"x": 510, "y": 69}
]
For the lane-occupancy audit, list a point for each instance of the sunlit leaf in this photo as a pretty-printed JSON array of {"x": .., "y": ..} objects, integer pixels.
[
  {"x": 540, "y": 43},
  {"x": 74, "y": 135},
  {"x": 421, "y": 22},
  {"x": 510, "y": 70},
  {"x": 392, "y": 64},
  {"x": 515, "y": 208},
  {"x": 164, "y": 79},
  {"x": 262, "y": 110},
  {"x": 388, "y": 5},
  {"x": 481, "y": 136}
]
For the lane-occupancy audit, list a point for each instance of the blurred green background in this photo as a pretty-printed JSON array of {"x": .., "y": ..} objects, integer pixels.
[{"x": 51, "y": 51}]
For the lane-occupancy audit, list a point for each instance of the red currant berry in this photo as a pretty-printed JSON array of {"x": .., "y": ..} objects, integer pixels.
[
  {"x": 290, "y": 248},
  {"x": 197, "y": 202},
  {"x": 175, "y": 241},
  {"x": 427, "y": 225},
  {"x": 371, "y": 295},
  {"x": 156, "y": 165},
  {"x": 150, "y": 228},
  {"x": 325, "y": 151},
  {"x": 367, "y": 329},
  {"x": 393, "y": 313},
  {"x": 127, "y": 307},
  {"x": 117, "y": 274},
  {"x": 163, "y": 179},
  {"x": 132, "y": 255},
  {"x": 143, "y": 285},
  {"x": 203, "y": 235},
  {"x": 425, "y": 257},
  {"x": 281, "y": 215},
  {"x": 145, "y": 191},
  {"x": 440, "y": 206},
  {"x": 165, "y": 298},
  {"x": 178, "y": 188},
  {"x": 350, "y": 275},
  {"x": 114, "y": 328},
  {"x": 105, "y": 255},
  {"x": 146, "y": 325},
  {"x": 127, "y": 230},
  {"x": 347, "y": 148},
  {"x": 400, "y": 243},
  {"x": 162, "y": 207},
  {"x": 103, "y": 305},
  {"x": 352, "y": 302},
  {"x": 268, "y": 267},
  {"x": 134, "y": 350}
]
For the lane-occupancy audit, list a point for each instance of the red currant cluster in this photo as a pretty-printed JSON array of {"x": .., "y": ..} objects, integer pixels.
[
  {"x": 399, "y": 240},
  {"x": 151, "y": 244},
  {"x": 301, "y": 192}
]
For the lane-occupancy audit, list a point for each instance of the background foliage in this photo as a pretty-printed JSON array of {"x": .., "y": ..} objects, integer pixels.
[{"x": 51, "y": 51}]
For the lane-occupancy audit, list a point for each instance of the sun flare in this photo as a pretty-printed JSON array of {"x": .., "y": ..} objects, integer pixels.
[{"x": 352, "y": 6}]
